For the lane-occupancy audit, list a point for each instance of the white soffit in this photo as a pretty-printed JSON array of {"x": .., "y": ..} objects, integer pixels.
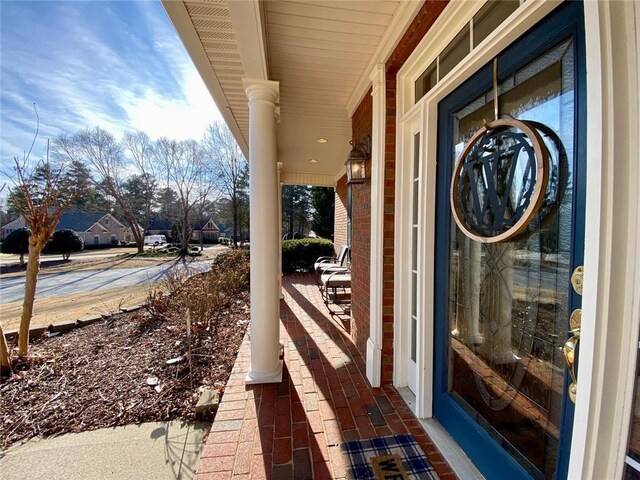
[
  {"x": 321, "y": 52},
  {"x": 207, "y": 33}
]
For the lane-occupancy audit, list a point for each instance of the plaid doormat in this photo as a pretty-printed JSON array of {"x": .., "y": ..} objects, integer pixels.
[{"x": 379, "y": 458}]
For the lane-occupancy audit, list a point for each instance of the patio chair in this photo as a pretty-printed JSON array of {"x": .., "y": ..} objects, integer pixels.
[
  {"x": 342, "y": 260},
  {"x": 335, "y": 287}
]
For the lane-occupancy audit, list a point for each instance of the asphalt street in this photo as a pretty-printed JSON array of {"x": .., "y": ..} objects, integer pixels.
[{"x": 67, "y": 283}]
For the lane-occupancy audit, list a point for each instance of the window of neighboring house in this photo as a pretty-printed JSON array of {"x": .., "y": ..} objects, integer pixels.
[
  {"x": 113, "y": 239},
  {"x": 106, "y": 221},
  {"x": 96, "y": 239}
]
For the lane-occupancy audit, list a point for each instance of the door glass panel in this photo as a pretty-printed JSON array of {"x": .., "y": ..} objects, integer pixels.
[
  {"x": 426, "y": 81},
  {"x": 489, "y": 18},
  {"x": 508, "y": 304},
  {"x": 459, "y": 48}
]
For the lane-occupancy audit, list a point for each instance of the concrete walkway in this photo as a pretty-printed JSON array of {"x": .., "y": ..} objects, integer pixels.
[{"x": 150, "y": 451}]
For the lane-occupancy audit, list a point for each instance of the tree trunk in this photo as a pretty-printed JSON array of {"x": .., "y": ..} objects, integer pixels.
[
  {"x": 235, "y": 221},
  {"x": 31, "y": 278},
  {"x": 5, "y": 363},
  {"x": 186, "y": 233},
  {"x": 138, "y": 236}
]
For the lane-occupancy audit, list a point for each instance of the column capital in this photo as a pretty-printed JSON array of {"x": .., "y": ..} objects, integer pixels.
[
  {"x": 377, "y": 78},
  {"x": 261, "y": 90}
]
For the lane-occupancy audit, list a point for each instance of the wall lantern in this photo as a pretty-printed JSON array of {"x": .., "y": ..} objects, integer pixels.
[{"x": 360, "y": 153}]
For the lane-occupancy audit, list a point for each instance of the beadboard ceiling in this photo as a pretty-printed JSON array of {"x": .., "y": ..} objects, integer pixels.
[{"x": 321, "y": 52}]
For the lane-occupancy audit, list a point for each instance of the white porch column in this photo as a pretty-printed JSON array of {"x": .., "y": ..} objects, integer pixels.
[
  {"x": 374, "y": 343},
  {"x": 266, "y": 367}
]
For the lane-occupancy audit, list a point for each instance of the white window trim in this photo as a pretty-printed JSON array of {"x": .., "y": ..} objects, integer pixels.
[
  {"x": 403, "y": 213},
  {"x": 611, "y": 302}
]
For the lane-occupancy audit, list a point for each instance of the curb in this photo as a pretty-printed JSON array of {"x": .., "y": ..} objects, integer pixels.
[{"x": 68, "y": 325}]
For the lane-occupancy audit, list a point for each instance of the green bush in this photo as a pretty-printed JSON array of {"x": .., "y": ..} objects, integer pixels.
[
  {"x": 300, "y": 255},
  {"x": 17, "y": 242},
  {"x": 65, "y": 242}
]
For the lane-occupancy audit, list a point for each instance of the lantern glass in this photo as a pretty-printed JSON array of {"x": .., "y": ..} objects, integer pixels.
[
  {"x": 355, "y": 166},
  {"x": 355, "y": 171}
]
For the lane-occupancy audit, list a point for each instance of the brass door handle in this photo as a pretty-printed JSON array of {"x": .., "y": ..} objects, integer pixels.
[
  {"x": 569, "y": 350},
  {"x": 571, "y": 345}
]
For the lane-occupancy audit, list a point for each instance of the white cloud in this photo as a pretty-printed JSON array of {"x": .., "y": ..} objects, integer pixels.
[{"x": 177, "y": 118}]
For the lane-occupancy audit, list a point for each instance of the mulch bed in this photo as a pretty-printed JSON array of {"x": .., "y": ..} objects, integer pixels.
[{"x": 115, "y": 372}]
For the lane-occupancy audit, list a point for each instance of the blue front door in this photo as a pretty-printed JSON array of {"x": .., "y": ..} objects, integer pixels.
[{"x": 502, "y": 309}]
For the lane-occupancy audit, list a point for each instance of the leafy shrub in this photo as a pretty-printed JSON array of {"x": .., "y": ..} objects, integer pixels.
[
  {"x": 17, "y": 242},
  {"x": 300, "y": 255},
  {"x": 206, "y": 296},
  {"x": 65, "y": 242},
  {"x": 234, "y": 265}
]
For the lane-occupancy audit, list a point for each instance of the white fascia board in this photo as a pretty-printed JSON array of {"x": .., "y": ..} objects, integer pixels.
[
  {"x": 248, "y": 26},
  {"x": 403, "y": 17},
  {"x": 301, "y": 178},
  {"x": 181, "y": 20}
]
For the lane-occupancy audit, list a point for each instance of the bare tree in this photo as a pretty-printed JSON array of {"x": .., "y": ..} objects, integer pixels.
[
  {"x": 232, "y": 170},
  {"x": 139, "y": 147},
  {"x": 44, "y": 195},
  {"x": 189, "y": 176},
  {"x": 104, "y": 153}
]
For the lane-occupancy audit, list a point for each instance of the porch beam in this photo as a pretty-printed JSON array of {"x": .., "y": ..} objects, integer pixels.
[{"x": 266, "y": 366}]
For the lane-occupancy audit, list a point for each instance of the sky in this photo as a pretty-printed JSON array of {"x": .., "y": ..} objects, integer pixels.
[{"x": 118, "y": 65}]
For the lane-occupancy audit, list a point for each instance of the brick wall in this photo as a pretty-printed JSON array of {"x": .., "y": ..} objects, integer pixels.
[
  {"x": 418, "y": 28},
  {"x": 361, "y": 234},
  {"x": 340, "y": 220},
  {"x": 361, "y": 123}
]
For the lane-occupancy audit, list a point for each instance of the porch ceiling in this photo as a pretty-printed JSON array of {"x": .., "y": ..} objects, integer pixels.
[{"x": 321, "y": 52}]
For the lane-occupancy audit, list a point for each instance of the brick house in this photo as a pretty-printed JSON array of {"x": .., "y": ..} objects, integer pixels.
[
  {"x": 95, "y": 228},
  {"x": 470, "y": 328}
]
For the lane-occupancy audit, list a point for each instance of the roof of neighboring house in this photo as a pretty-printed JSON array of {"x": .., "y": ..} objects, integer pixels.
[
  {"x": 199, "y": 226},
  {"x": 78, "y": 220},
  {"x": 75, "y": 219},
  {"x": 14, "y": 223},
  {"x": 160, "y": 224}
]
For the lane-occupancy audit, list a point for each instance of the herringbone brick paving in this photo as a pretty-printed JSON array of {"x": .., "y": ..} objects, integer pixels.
[{"x": 293, "y": 430}]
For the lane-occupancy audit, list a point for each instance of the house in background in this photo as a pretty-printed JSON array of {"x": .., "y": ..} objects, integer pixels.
[
  {"x": 160, "y": 226},
  {"x": 472, "y": 332},
  {"x": 94, "y": 228},
  {"x": 11, "y": 226},
  {"x": 206, "y": 232}
]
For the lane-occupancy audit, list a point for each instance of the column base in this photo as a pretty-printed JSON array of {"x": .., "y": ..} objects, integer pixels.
[
  {"x": 374, "y": 363},
  {"x": 254, "y": 378}
]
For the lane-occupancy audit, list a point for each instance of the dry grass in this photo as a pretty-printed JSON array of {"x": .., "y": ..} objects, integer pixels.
[{"x": 50, "y": 310}]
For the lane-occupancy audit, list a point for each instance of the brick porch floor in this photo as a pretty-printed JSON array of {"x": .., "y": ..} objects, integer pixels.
[{"x": 293, "y": 430}]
